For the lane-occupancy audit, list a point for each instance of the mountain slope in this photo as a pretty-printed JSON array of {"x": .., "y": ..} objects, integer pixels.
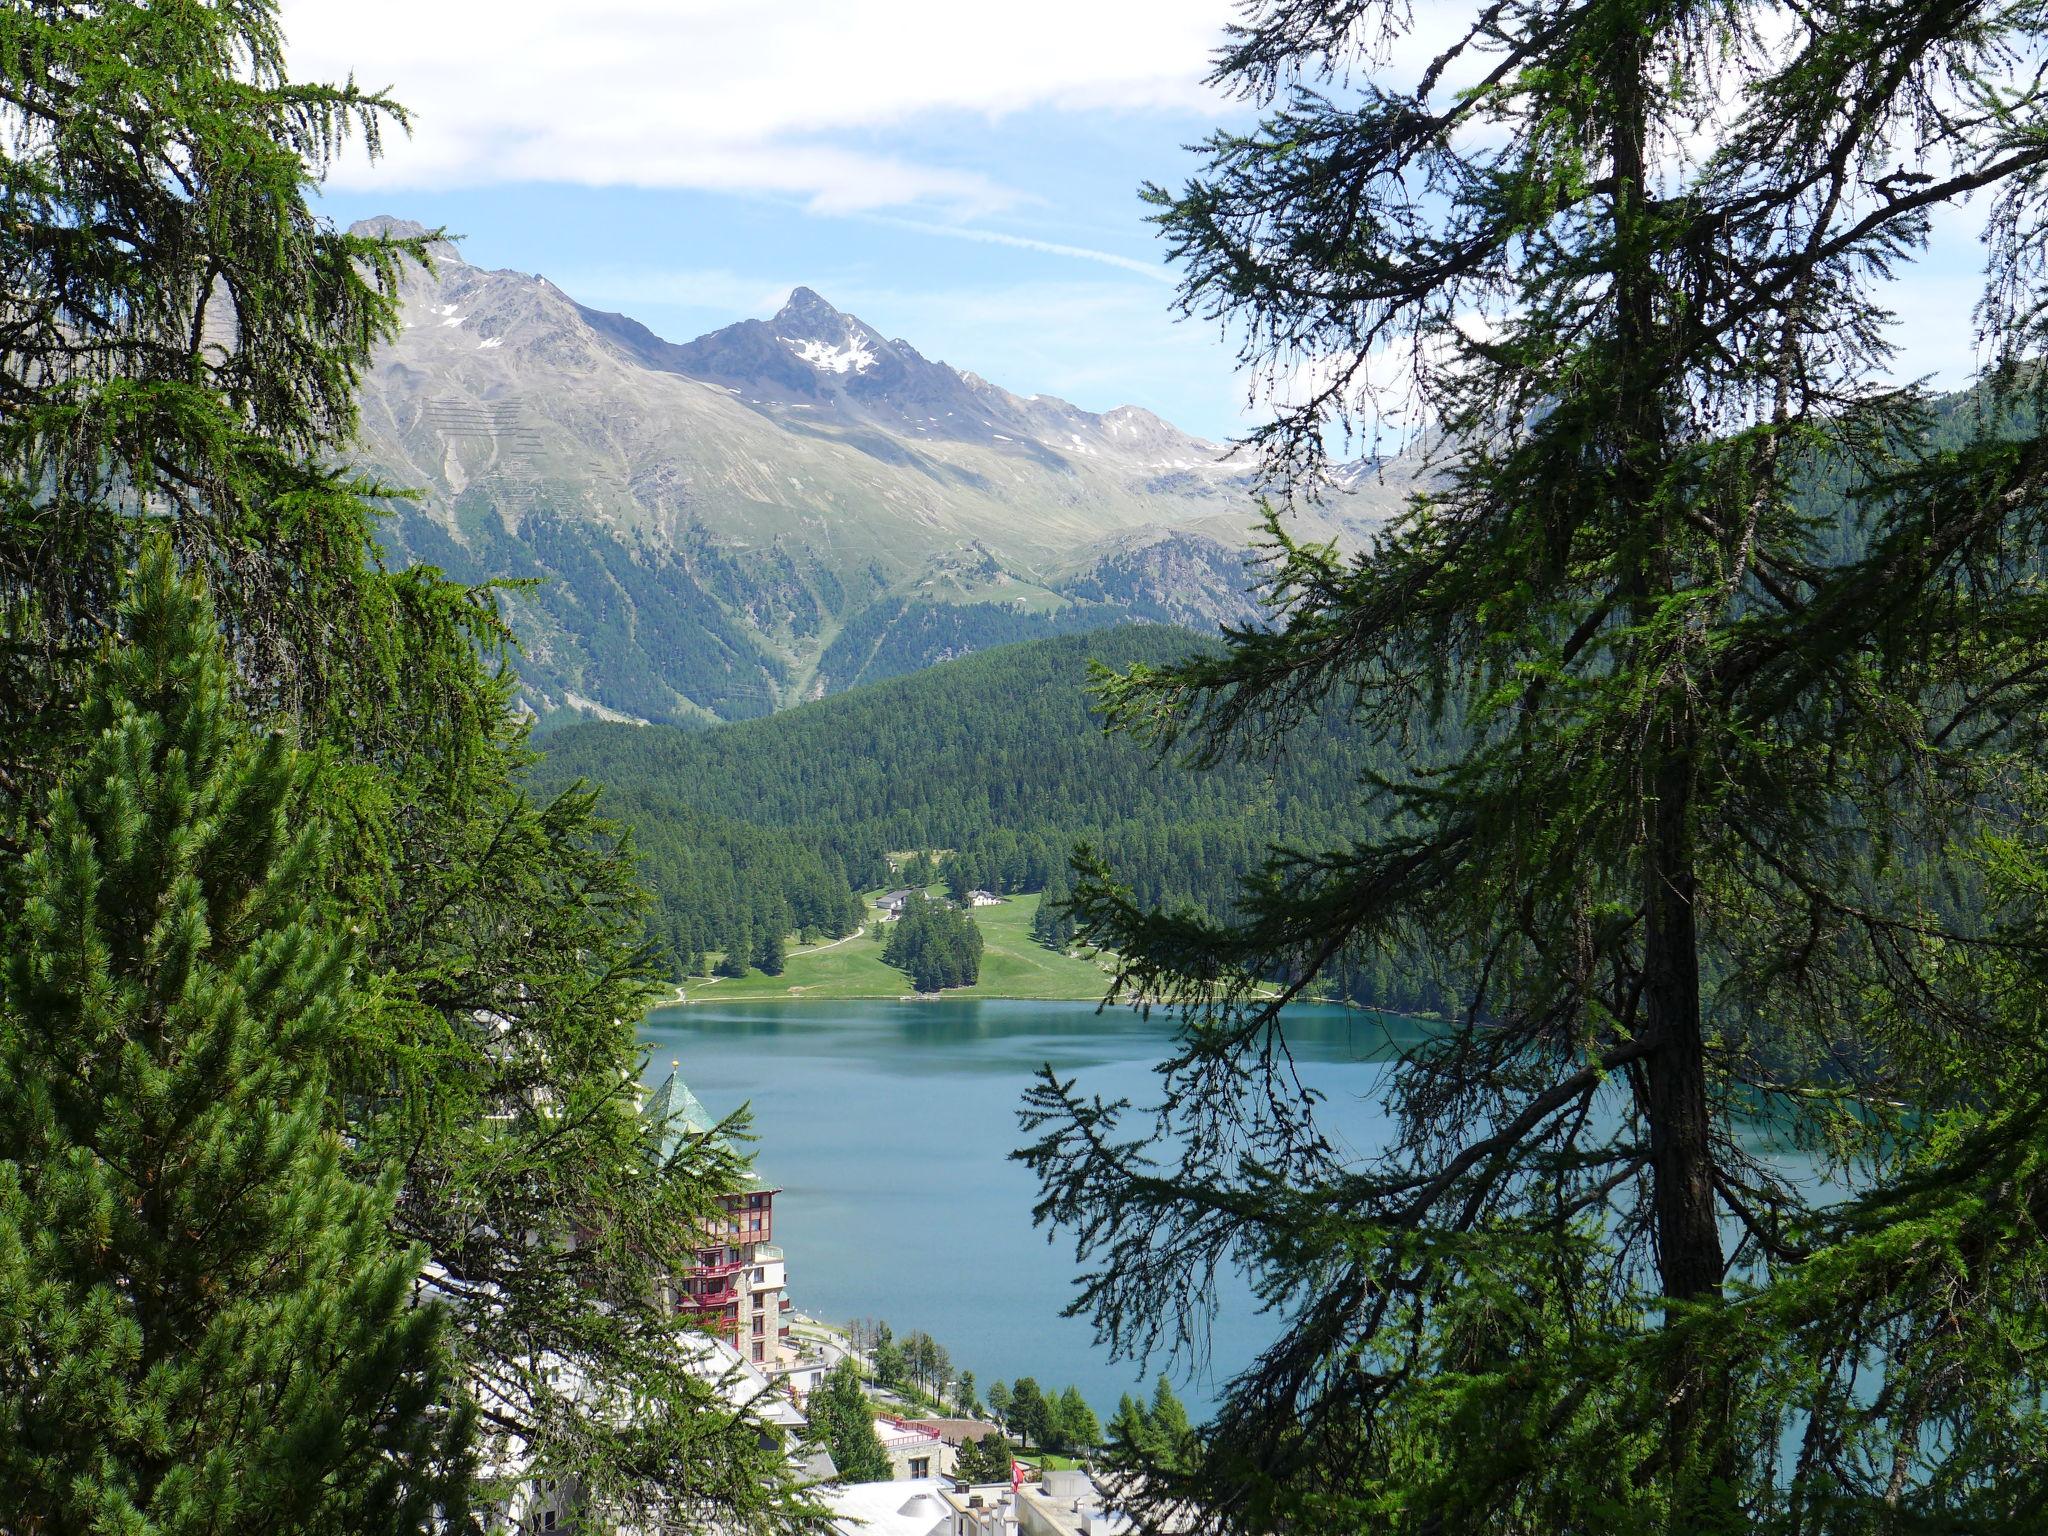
[
  {"x": 998, "y": 757},
  {"x": 725, "y": 526}
]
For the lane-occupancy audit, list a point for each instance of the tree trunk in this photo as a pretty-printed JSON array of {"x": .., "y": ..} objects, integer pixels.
[
  {"x": 1674, "y": 1075},
  {"x": 1688, "y": 1236}
]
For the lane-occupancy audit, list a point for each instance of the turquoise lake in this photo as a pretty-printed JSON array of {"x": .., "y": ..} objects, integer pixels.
[{"x": 888, "y": 1127}]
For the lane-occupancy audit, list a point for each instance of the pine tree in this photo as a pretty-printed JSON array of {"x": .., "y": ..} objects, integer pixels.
[
  {"x": 988, "y": 1459},
  {"x": 938, "y": 946},
  {"x": 204, "y": 1323},
  {"x": 959, "y": 880},
  {"x": 183, "y": 340},
  {"x": 1129, "y": 1439},
  {"x": 1030, "y": 1414},
  {"x": 185, "y": 335},
  {"x": 842, "y": 1422},
  {"x": 1718, "y": 660},
  {"x": 1078, "y": 1428},
  {"x": 1170, "y": 1435}
]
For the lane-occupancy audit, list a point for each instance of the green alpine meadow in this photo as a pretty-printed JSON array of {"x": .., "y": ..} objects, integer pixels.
[{"x": 1455, "y": 946}]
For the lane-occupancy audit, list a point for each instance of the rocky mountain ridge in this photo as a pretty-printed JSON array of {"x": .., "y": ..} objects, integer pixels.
[{"x": 781, "y": 507}]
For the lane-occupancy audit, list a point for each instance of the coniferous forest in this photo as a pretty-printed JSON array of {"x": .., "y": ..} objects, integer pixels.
[
  {"x": 937, "y": 945},
  {"x": 999, "y": 762}
]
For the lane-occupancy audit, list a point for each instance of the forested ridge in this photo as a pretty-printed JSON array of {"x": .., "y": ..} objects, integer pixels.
[{"x": 997, "y": 757}]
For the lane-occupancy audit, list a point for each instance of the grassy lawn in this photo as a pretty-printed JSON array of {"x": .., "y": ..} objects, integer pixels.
[{"x": 1012, "y": 965}]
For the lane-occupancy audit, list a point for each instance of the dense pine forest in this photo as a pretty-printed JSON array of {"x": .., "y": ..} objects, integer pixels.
[{"x": 998, "y": 760}]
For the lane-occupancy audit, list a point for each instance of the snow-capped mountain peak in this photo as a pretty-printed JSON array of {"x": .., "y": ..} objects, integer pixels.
[{"x": 855, "y": 356}]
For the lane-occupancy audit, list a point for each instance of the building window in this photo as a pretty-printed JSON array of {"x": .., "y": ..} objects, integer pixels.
[
  {"x": 547, "y": 1520},
  {"x": 920, "y": 1466},
  {"x": 760, "y": 1351}
]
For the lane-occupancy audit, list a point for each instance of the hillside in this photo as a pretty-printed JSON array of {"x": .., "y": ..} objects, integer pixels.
[
  {"x": 785, "y": 507},
  {"x": 994, "y": 759}
]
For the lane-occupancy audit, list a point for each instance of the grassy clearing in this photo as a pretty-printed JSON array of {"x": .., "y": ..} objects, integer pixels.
[{"x": 1013, "y": 964}]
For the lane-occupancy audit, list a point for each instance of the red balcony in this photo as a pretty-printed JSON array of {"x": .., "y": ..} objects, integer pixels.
[
  {"x": 701, "y": 1301},
  {"x": 717, "y": 1271}
]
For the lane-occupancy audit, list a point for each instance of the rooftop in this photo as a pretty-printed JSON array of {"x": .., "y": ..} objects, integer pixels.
[
  {"x": 912, "y": 1507},
  {"x": 672, "y": 1112}
]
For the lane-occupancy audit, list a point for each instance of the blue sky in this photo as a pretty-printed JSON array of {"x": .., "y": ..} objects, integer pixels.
[{"x": 961, "y": 176}]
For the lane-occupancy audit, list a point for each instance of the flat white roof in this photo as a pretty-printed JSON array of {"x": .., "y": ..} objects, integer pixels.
[{"x": 911, "y": 1507}]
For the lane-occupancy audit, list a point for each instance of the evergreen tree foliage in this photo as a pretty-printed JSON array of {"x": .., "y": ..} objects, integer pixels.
[
  {"x": 999, "y": 758},
  {"x": 1074, "y": 1423},
  {"x": 205, "y": 1324},
  {"x": 733, "y": 960},
  {"x": 1718, "y": 806},
  {"x": 842, "y": 1421},
  {"x": 937, "y": 945},
  {"x": 888, "y": 1359},
  {"x": 1029, "y": 1413},
  {"x": 1143, "y": 1438},
  {"x": 1127, "y": 1435},
  {"x": 770, "y": 951},
  {"x": 987, "y": 1460},
  {"x": 183, "y": 343},
  {"x": 1053, "y": 924}
]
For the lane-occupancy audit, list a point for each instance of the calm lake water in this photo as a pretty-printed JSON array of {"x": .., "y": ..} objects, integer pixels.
[{"x": 889, "y": 1126}]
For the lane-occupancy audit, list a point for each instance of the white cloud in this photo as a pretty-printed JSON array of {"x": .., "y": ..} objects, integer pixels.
[
  {"x": 1152, "y": 270},
  {"x": 733, "y": 94}
]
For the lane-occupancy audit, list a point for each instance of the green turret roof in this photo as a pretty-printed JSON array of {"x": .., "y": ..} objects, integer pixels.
[{"x": 672, "y": 1112}]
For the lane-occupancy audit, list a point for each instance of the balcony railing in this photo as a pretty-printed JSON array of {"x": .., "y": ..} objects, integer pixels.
[
  {"x": 699, "y": 1301},
  {"x": 718, "y": 1271}
]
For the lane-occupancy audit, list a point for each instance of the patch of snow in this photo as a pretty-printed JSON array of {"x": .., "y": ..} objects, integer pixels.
[
  {"x": 442, "y": 309},
  {"x": 854, "y": 357},
  {"x": 455, "y": 320},
  {"x": 495, "y": 341},
  {"x": 1001, "y": 439}
]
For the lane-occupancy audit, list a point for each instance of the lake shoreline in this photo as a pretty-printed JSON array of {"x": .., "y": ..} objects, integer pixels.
[{"x": 969, "y": 995}]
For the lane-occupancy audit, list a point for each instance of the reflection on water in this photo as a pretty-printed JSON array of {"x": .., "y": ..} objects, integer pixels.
[{"x": 889, "y": 1126}]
